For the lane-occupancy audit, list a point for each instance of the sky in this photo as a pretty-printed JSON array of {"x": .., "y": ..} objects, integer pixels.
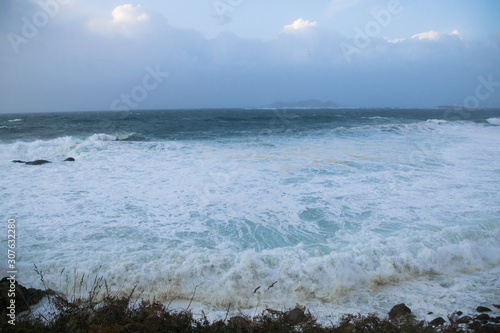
[{"x": 90, "y": 55}]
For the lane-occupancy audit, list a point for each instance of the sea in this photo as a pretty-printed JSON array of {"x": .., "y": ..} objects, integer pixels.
[{"x": 222, "y": 211}]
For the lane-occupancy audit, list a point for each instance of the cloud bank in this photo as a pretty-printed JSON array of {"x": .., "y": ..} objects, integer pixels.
[{"x": 81, "y": 61}]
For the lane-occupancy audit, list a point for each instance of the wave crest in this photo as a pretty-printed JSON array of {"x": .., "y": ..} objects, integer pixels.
[
  {"x": 61, "y": 147},
  {"x": 493, "y": 121}
]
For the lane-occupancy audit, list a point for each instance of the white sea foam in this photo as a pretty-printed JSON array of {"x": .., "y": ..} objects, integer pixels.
[
  {"x": 54, "y": 149},
  {"x": 494, "y": 121},
  {"x": 356, "y": 222}
]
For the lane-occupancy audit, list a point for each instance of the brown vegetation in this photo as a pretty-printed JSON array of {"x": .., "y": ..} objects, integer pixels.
[{"x": 111, "y": 313}]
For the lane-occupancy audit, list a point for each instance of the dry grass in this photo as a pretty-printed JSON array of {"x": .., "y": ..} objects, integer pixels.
[{"x": 108, "y": 313}]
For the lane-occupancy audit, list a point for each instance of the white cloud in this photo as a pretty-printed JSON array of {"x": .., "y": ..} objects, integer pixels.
[
  {"x": 126, "y": 20},
  {"x": 431, "y": 35},
  {"x": 299, "y": 24},
  {"x": 456, "y": 33},
  {"x": 129, "y": 14},
  {"x": 434, "y": 35}
]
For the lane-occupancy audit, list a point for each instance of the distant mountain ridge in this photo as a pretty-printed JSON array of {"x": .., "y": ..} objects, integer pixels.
[{"x": 312, "y": 103}]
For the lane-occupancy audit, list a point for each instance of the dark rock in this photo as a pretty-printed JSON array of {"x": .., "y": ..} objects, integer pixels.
[
  {"x": 38, "y": 162},
  {"x": 241, "y": 324},
  {"x": 429, "y": 313},
  {"x": 464, "y": 320},
  {"x": 483, "y": 316},
  {"x": 296, "y": 316},
  {"x": 438, "y": 321},
  {"x": 398, "y": 311},
  {"x": 25, "y": 297},
  {"x": 483, "y": 309},
  {"x": 496, "y": 306},
  {"x": 459, "y": 313},
  {"x": 490, "y": 328}
]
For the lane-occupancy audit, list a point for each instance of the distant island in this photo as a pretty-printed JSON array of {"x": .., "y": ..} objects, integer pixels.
[
  {"x": 312, "y": 103},
  {"x": 453, "y": 107}
]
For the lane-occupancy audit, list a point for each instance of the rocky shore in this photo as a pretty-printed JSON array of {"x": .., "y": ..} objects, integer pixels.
[
  {"x": 119, "y": 314},
  {"x": 24, "y": 297}
]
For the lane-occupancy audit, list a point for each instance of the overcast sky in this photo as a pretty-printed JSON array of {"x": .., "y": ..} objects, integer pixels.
[{"x": 77, "y": 55}]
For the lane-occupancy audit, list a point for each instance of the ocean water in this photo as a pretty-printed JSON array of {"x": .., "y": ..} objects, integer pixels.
[{"x": 341, "y": 210}]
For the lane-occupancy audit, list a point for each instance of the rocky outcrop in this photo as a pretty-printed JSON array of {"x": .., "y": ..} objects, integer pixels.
[
  {"x": 38, "y": 162},
  {"x": 41, "y": 162},
  {"x": 483, "y": 309},
  {"x": 24, "y": 297},
  {"x": 399, "y": 311},
  {"x": 464, "y": 320},
  {"x": 479, "y": 323},
  {"x": 296, "y": 316},
  {"x": 240, "y": 324},
  {"x": 437, "y": 322}
]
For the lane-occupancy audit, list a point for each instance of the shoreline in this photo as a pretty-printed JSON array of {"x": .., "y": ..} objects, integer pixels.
[
  {"x": 58, "y": 310},
  {"x": 422, "y": 298}
]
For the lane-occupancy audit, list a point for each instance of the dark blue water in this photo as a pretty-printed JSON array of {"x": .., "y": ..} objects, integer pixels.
[{"x": 213, "y": 124}]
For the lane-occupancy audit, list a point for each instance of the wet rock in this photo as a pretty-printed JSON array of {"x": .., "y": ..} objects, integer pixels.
[
  {"x": 38, "y": 162},
  {"x": 459, "y": 313},
  {"x": 241, "y": 324},
  {"x": 483, "y": 316},
  {"x": 496, "y": 306},
  {"x": 398, "y": 311},
  {"x": 490, "y": 328},
  {"x": 464, "y": 320},
  {"x": 24, "y": 297},
  {"x": 438, "y": 321},
  {"x": 296, "y": 316},
  {"x": 483, "y": 309}
]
